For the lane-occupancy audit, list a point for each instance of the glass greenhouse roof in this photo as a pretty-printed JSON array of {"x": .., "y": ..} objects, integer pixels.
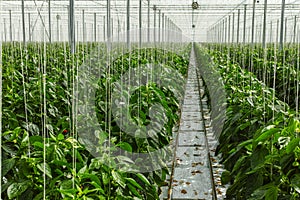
[{"x": 180, "y": 12}]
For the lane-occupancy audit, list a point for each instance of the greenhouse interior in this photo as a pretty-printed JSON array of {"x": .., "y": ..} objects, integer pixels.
[{"x": 150, "y": 99}]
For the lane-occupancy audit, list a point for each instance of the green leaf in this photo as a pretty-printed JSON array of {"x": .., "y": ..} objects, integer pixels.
[
  {"x": 258, "y": 157},
  {"x": 225, "y": 178},
  {"x": 133, "y": 190},
  {"x": 250, "y": 101},
  {"x": 7, "y": 165},
  {"x": 16, "y": 189},
  {"x": 39, "y": 196},
  {"x": 105, "y": 178},
  {"x": 66, "y": 189},
  {"x": 98, "y": 187},
  {"x": 125, "y": 146},
  {"x": 272, "y": 193},
  {"x": 35, "y": 138},
  {"x": 82, "y": 170},
  {"x": 134, "y": 183},
  {"x": 45, "y": 168},
  {"x": 38, "y": 144},
  {"x": 25, "y": 139},
  {"x": 296, "y": 182},
  {"x": 292, "y": 145},
  {"x": 118, "y": 178},
  {"x": 143, "y": 178},
  {"x": 60, "y": 137},
  {"x": 270, "y": 130}
]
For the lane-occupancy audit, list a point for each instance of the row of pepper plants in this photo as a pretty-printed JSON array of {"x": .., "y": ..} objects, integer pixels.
[
  {"x": 276, "y": 68},
  {"x": 42, "y": 157},
  {"x": 259, "y": 143}
]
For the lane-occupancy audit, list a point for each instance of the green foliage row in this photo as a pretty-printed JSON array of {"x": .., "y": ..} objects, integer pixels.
[
  {"x": 276, "y": 68},
  {"x": 259, "y": 142},
  {"x": 36, "y": 153}
]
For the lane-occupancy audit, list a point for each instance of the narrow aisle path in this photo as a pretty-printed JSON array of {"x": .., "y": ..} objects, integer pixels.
[{"x": 192, "y": 177}]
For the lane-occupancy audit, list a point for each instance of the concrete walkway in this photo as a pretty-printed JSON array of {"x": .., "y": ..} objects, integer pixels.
[{"x": 191, "y": 176}]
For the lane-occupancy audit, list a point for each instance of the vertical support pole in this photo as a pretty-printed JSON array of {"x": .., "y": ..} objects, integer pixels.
[
  {"x": 212, "y": 34},
  {"x": 98, "y": 28},
  {"x": 163, "y": 27},
  {"x": 219, "y": 33},
  {"x": 169, "y": 28},
  {"x": 95, "y": 27},
  {"x": 83, "y": 26},
  {"x": 124, "y": 28},
  {"x": 221, "y": 27},
  {"x": 285, "y": 30},
  {"x": 57, "y": 27},
  {"x": 295, "y": 27},
  {"x": 118, "y": 30},
  {"x": 253, "y": 22},
  {"x": 225, "y": 30},
  {"x": 4, "y": 28},
  {"x": 166, "y": 29},
  {"x": 271, "y": 28},
  {"x": 140, "y": 23},
  {"x": 23, "y": 22},
  {"x": 218, "y": 29},
  {"x": 265, "y": 23},
  {"x": 112, "y": 29},
  {"x": 148, "y": 31},
  {"x": 61, "y": 34},
  {"x": 104, "y": 29},
  {"x": 154, "y": 30},
  {"x": 282, "y": 25},
  {"x": 77, "y": 30},
  {"x": 159, "y": 24},
  {"x": 128, "y": 24},
  {"x": 29, "y": 27},
  {"x": 238, "y": 27},
  {"x": 49, "y": 20},
  {"x": 277, "y": 32},
  {"x": 108, "y": 28},
  {"x": 259, "y": 38},
  {"x": 71, "y": 27},
  {"x": 245, "y": 23},
  {"x": 10, "y": 27},
  {"x": 229, "y": 22},
  {"x": 233, "y": 16}
]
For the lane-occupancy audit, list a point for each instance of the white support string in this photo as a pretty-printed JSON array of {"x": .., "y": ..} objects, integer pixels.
[
  {"x": 1, "y": 110},
  {"x": 297, "y": 74},
  {"x": 44, "y": 72},
  {"x": 24, "y": 93},
  {"x": 264, "y": 76},
  {"x": 274, "y": 79}
]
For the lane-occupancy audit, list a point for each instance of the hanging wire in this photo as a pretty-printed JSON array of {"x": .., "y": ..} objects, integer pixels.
[
  {"x": 297, "y": 74},
  {"x": 73, "y": 113},
  {"x": 24, "y": 90},
  {"x": 284, "y": 76},
  {"x": 1, "y": 106},
  {"x": 75, "y": 109},
  {"x": 44, "y": 133},
  {"x": 274, "y": 79},
  {"x": 108, "y": 85}
]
